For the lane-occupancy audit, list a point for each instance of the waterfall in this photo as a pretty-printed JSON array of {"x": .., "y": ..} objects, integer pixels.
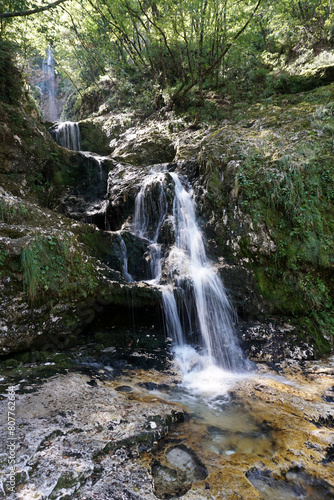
[
  {"x": 150, "y": 212},
  {"x": 93, "y": 157},
  {"x": 49, "y": 88},
  {"x": 195, "y": 302},
  {"x": 124, "y": 257},
  {"x": 67, "y": 134}
]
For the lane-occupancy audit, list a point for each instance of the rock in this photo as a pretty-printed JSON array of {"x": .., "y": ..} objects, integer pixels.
[
  {"x": 85, "y": 439},
  {"x": 93, "y": 138},
  {"x": 274, "y": 343},
  {"x": 143, "y": 146},
  {"x": 44, "y": 260},
  {"x": 180, "y": 470},
  {"x": 186, "y": 461},
  {"x": 169, "y": 482}
]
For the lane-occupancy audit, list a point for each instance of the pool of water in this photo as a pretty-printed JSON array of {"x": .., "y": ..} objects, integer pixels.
[{"x": 223, "y": 423}]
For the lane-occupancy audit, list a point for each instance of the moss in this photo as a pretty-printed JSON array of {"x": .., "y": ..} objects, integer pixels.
[
  {"x": 275, "y": 159},
  {"x": 55, "y": 266},
  {"x": 99, "y": 242},
  {"x": 66, "y": 481},
  {"x": 10, "y": 77},
  {"x": 93, "y": 139},
  {"x": 33, "y": 366}
]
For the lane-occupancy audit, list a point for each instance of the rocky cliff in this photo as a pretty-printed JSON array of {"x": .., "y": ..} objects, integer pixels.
[{"x": 263, "y": 180}]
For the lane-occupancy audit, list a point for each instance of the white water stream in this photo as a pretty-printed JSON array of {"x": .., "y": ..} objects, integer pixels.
[
  {"x": 49, "y": 88},
  {"x": 67, "y": 134},
  {"x": 194, "y": 298}
]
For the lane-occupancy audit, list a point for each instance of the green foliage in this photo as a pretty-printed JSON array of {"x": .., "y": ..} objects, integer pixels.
[
  {"x": 299, "y": 187},
  {"x": 294, "y": 197},
  {"x": 170, "y": 47},
  {"x": 31, "y": 273},
  {"x": 54, "y": 265},
  {"x": 10, "y": 77},
  {"x": 12, "y": 212},
  {"x": 3, "y": 255}
]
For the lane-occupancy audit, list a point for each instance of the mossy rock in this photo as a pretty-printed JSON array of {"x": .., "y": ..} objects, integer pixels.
[{"x": 93, "y": 138}]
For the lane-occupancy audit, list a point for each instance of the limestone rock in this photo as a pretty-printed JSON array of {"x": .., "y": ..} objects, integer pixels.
[{"x": 143, "y": 146}]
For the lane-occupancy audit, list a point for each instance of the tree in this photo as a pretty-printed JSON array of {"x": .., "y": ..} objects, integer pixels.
[
  {"x": 176, "y": 44},
  {"x": 29, "y": 12}
]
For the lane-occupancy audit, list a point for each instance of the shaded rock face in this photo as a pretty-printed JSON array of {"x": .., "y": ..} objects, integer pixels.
[
  {"x": 93, "y": 138},
  {"x": 52, "y": 285},
  {"x": 28, "y": 155},
  {"x": 275, "y": 343},
  {"x": 84, "y": 200},
  {"x": 123, "y": 187},
  {"x": 124, "y": 184},
  {"x": 295, "y": 484},
  {"x": 57, "y": 275}
]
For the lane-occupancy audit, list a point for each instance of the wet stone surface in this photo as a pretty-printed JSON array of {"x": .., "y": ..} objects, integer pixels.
[
  {"x": 175, "y": 474},
  {"x": 105, "y": 424}
]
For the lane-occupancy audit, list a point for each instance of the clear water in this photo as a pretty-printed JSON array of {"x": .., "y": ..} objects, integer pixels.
[
  {"x": 219, "y": 424},
  {"x": 295, "y": 486}
]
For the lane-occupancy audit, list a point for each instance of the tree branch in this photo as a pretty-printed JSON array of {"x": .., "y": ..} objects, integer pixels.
[
  {"x": 32, "y": 11},
  {"x": 182, "y": 92}
]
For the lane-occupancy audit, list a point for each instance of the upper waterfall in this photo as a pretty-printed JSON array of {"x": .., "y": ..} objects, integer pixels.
[
  {"x": 49, "y": 88},
  {"x": 67, "y": 134}
]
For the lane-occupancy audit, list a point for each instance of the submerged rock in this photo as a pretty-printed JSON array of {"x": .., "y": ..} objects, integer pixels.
[{"x": 181, "y": 468}]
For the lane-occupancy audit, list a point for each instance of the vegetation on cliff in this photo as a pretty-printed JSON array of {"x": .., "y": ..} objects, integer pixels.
[
  {"x": 243, "y": 91},
  {"x": 269, "y": 174}
]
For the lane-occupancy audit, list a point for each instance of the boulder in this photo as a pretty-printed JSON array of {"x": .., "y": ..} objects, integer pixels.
[{"x": 144, "y": 146}]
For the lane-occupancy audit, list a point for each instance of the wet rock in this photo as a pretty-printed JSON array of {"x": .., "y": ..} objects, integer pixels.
[
  {"x": 166, "y": 235},
  {"x": 329, "y": 455},
  {"x": 123, "y": 186},
  {"x": 93, "y": 137},
  {"x": 138, "y": 265},
  {"x": 65, "y": 434},
  {"x": 169, "y": 482},
  {"x": 182, "y": 468},
  {"x": 152, "y": 386},
  {"x": 274, "y": 343},
  {"x": 124, "y": 388},
  {"x": 84, "y": 199},
  {"x": 329, "y": 396},
  {"x": 294, "y": 484},
  {"x": 185, "y": 460}
]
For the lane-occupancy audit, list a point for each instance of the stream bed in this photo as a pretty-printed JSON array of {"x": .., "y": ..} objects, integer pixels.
[{"x": 116, "y": 423}]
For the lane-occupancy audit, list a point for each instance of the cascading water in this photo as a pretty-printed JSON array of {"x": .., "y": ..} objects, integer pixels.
[
  {"x": 67, "y": 134},
  {"x": 150, "y": 212},
  {"x": 49, "y": 88},
  {"x": 124, "y": 257},
  {"x": 194, "y": 298}
]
